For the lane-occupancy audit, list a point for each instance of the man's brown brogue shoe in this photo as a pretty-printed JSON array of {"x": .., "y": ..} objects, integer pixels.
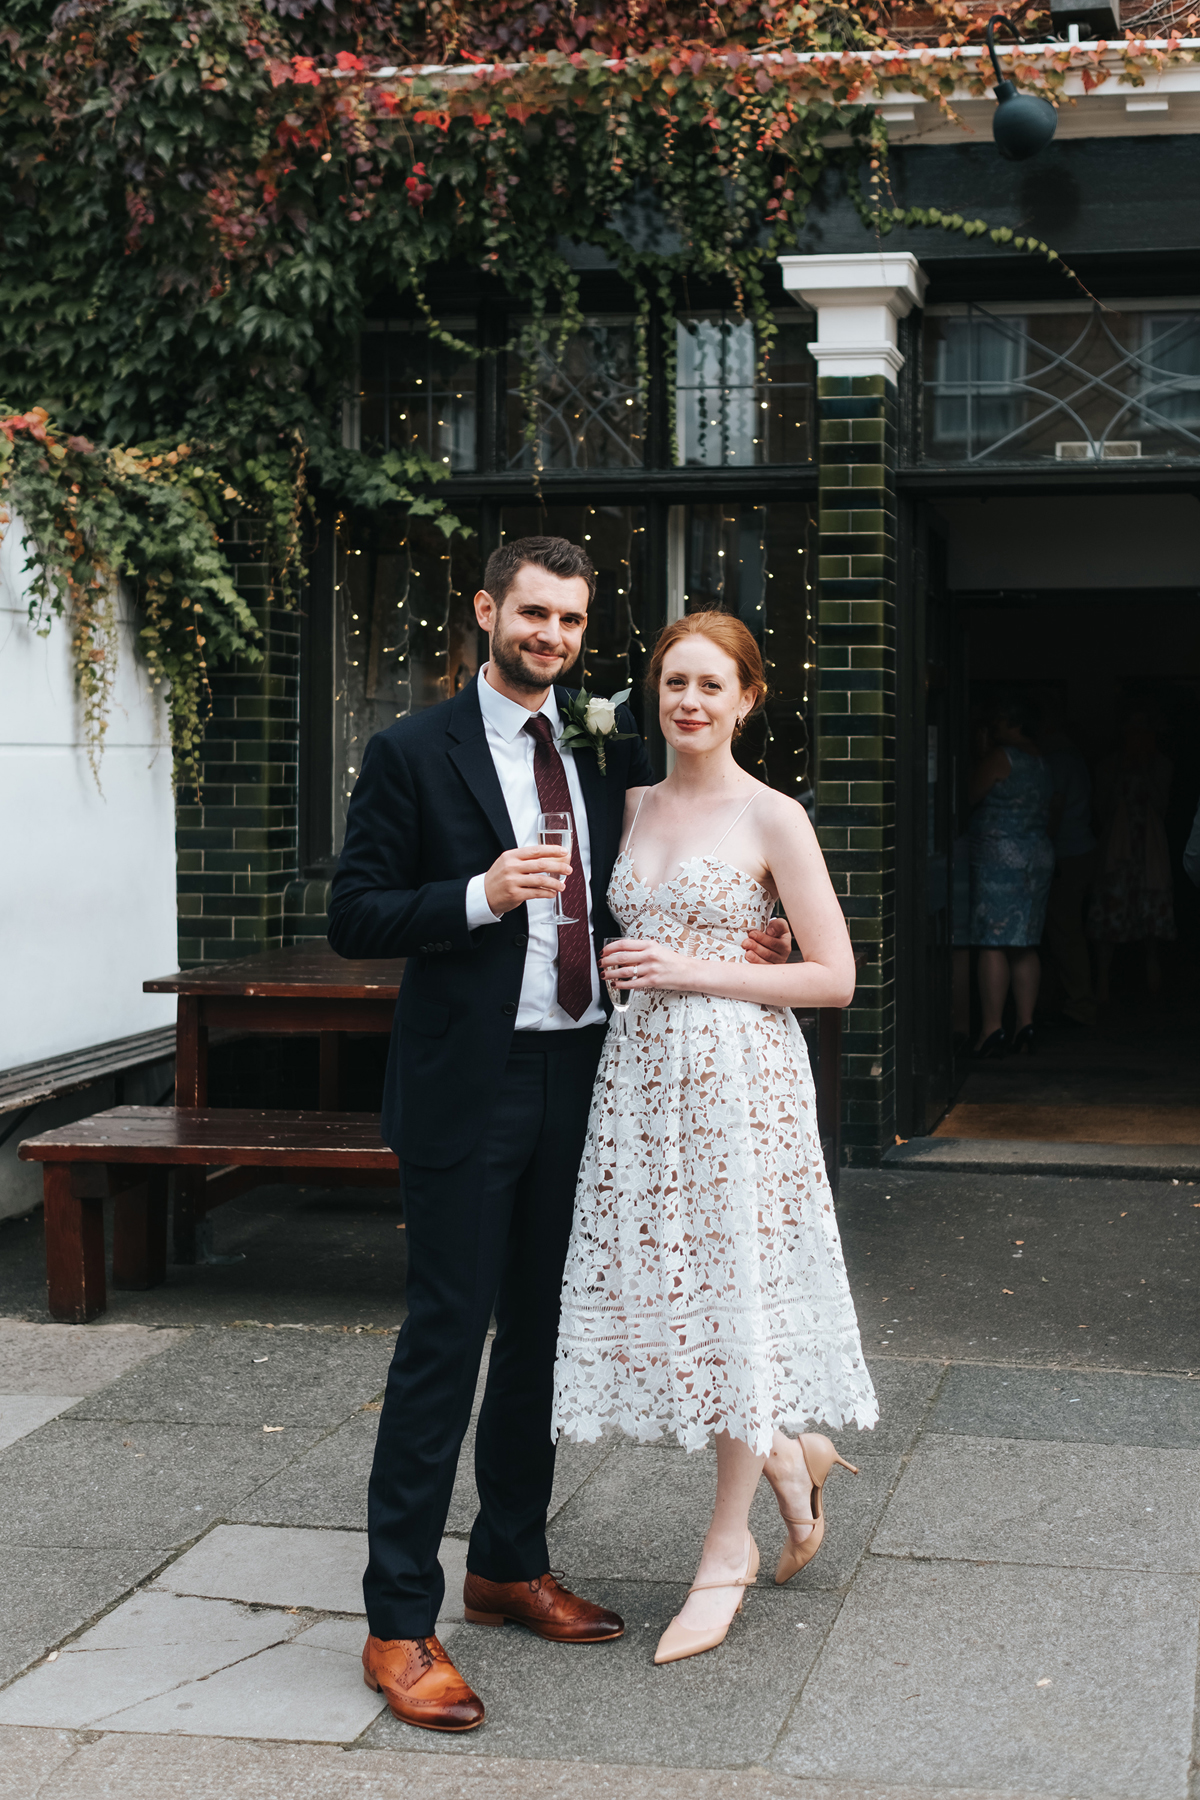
[
  {"x": 420, "y": 1683},
  {"x": 546, "y": 1608}
]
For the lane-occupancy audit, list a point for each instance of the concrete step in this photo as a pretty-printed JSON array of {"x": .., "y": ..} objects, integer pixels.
[{"x": 999, "y": 1156}]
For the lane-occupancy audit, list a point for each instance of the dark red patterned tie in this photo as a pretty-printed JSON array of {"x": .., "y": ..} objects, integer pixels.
[{"x": 574, "y": 941}]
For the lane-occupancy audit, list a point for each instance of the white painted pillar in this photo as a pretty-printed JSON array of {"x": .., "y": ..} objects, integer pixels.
[{"x": 858, "y": 301}]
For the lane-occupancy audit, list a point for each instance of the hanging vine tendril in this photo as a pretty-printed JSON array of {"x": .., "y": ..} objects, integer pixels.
[{"x": 207, "y": 199}]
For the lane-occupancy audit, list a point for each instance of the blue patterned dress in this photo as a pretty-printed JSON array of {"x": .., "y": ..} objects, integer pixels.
[{"x": 1012, "y": 856}]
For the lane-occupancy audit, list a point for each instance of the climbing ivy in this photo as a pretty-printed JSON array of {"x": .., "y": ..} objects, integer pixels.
[{"x": 208, "y": 196}]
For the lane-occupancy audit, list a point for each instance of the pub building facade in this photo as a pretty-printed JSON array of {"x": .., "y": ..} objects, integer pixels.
[{"x": 961, "y": 469}]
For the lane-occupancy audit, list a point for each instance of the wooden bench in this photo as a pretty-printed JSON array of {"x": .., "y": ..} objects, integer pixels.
[
  {"x": 24, "y": 1089},
  {"x": 126, "y": 1154}
]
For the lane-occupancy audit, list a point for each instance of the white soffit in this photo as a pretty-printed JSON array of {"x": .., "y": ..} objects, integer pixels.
[{"x": 1166, "y": 104}]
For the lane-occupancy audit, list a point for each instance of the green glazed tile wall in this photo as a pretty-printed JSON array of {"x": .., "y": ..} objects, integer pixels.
[
  {"x": 236, "y": 838},
  {"x": 856, "y": 727}
]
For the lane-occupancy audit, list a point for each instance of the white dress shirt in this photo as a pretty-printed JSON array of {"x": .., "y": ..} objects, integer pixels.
[{"x": 512, "y": 750}]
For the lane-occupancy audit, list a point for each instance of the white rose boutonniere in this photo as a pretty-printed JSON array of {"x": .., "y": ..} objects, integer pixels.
[
  {"x": 601, "y": 716},
  {"x": 590, "y": 723}
]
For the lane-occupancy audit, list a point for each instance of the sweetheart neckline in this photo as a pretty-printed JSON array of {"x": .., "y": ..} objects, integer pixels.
[{"x": 719, "y": 861}]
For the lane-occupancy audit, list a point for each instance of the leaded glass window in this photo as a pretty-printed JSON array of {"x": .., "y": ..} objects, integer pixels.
[
  {"x": 753, "y": 559},
  {"x": 725, "y": 416},
  {"x": 405, "y": 635},
  {"x": 978, "y": 365},
  {"x": 1071, "y": 383},
  {"x": 1171, "y": 371},
  {"x": 417, "y": 393},
  {"x": 589, "y": 410}
]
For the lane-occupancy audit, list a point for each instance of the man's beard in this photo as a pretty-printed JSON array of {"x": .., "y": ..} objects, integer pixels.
[{"x": 507, "y": 657}]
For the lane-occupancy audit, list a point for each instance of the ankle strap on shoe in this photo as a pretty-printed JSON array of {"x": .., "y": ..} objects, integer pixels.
[{"x": 739, "y": 1581}]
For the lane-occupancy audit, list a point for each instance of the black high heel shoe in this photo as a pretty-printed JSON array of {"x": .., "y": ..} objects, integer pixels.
[
  {"x": 1024, "y": 1043},
  {"x": 992, "y": 1046}
]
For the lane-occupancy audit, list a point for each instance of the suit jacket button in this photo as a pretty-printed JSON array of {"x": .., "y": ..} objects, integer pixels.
[
  {"x": 509, "y": 1009},
  {"x": 447, "y": 946},
  {"x": 520, "y": 940},
  {"x": 424, "y": 949}
]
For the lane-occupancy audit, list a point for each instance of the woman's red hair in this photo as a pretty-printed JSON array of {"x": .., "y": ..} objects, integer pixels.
[{"x": 730, "y": 635}]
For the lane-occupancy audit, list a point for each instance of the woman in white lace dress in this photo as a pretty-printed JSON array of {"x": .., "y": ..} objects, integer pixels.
[{"x": 705, "y": 1293}]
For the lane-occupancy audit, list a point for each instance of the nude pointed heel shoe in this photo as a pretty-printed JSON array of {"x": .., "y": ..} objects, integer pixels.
[
  {"x": 677, "y": 1641},
  {"x": 818, "y": 1456}
]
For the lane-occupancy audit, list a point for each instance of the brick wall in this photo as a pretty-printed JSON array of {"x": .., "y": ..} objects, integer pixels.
[
  {"x": 856, "y": 727},
  {"x": 237, "y": 839}
]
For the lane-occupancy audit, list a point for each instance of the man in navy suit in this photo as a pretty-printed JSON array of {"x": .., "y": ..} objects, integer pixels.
[{"x": 494, "y": 1052}]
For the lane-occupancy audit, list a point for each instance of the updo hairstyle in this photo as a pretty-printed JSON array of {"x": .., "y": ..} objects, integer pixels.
[{"x": 730, "y": 635}]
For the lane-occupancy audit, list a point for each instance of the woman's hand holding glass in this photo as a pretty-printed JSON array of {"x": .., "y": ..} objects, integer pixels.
[
  {"x": 649, "y": 964},
  {"x": 639, "y": 964}
]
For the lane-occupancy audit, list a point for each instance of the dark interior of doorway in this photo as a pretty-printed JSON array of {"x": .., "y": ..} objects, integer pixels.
[{"x": 1134, "y": 1076}]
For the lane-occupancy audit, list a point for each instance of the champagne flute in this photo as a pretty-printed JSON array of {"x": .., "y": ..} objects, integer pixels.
[
  {"x": 557, "y": 828},
  {"x": 620, "y": 996}
]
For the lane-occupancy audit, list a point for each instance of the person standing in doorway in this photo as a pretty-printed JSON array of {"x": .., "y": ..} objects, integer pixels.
[
  {"x": 1064, "y": 940},
  {"x": 1012, "y": 862},
  {"x": 1191, "y": 852},
  {"x": 1132, "y": 900},
  {"x": 498, "y": 1032}
]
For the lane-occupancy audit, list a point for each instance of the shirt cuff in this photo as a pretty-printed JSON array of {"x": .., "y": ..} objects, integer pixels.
[{"x": 478, "y": 911}]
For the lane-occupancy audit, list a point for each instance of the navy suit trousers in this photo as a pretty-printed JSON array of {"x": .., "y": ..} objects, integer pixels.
[{"x": 489, "y": 1234}]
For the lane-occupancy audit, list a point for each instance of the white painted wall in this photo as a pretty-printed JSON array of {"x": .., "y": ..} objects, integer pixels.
[
  {"x": 87, "y": 878},
  {"x": 87, "y": 897}
]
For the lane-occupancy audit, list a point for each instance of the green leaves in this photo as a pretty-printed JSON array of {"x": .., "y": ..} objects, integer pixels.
[{"x": 208, "y": 198}]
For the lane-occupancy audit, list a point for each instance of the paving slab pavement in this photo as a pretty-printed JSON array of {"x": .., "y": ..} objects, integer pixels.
[
  {"x": 1036, "y": 1269},
  {"x": 265, "y": 1566},
  {"x": 22, "y": 1413},
  {"x": 71, "y": 1766},
  {"x": 29, "y": 1758},
  {"x": 72, "y": 1359},
  {"x": 1069, "y": 1406},
  {"x": 250, "y": 1377},
  {"x": 1107, "y": 1506},
  {"x": 1076, "y": 1681},
  {"x": 49, "y": 1592},
  {"x": 999, "y": 1522},
  {"x": 325, "y": 1486},
  {"x": 314, "y": 1571},
  {"x": 92, "y": 1485}
]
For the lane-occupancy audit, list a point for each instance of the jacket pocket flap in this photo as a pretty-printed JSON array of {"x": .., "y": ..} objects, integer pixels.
[{"x": 425, "y": 1017}]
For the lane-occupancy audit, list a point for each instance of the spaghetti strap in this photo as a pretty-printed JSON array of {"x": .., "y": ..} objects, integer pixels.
[
  {"x": 636, "y": 816},
  {"x": 729, "y": 828}
]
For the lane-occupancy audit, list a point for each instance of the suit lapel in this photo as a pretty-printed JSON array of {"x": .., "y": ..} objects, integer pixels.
[
  {"x": 473, "y": 760},
  {"x": 595, "y": 800}
]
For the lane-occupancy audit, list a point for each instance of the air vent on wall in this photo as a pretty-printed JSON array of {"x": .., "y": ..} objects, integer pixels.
[{"x": 1079, "y": 450}]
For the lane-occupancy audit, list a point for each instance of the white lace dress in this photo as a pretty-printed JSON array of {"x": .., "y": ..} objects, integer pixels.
[{"x": 704, "y": 1287}]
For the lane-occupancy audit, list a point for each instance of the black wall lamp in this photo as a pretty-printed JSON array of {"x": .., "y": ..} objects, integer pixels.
[{"x": 1023, "y": 124}]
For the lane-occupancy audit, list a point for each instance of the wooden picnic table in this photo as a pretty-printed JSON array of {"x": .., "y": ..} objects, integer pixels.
[{"x": 308, "y": 989}]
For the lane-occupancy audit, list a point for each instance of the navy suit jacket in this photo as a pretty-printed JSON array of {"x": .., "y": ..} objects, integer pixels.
[{"x": 428, "y": 813}]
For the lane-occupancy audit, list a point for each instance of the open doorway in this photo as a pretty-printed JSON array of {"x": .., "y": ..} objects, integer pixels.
[{"x": 1107, "y": 671}]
